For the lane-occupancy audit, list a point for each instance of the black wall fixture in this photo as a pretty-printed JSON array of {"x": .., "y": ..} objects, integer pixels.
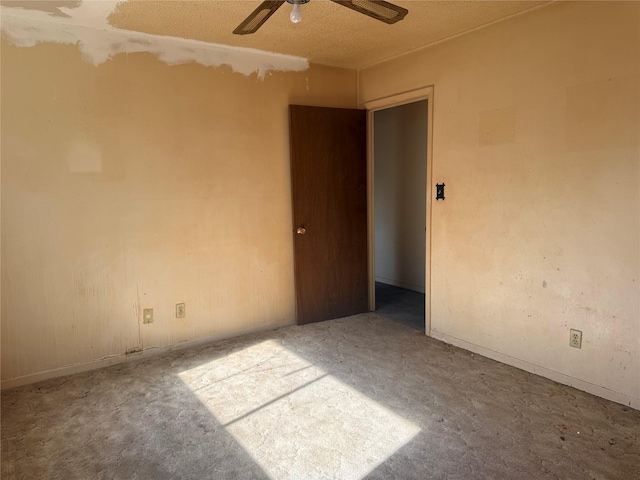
[{"x": 439, "y": 191}]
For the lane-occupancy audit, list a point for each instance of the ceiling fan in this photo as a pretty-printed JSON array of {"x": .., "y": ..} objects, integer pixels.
[{"x": 384, "y": 11}]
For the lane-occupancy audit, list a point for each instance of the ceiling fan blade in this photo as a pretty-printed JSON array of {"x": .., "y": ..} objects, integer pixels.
[
  {"x": 384, "y": 11},
  {"x": 260, "y": 15}
]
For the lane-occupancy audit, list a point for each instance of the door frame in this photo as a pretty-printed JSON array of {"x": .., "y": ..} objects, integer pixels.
[{"x": 424, "y": 93}]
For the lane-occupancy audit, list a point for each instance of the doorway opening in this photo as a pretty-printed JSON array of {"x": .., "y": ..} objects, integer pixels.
[{"x": 399, "y": 161}]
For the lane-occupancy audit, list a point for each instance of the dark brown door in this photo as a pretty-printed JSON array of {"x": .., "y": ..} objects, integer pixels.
[{"x": 329, "y": 186}]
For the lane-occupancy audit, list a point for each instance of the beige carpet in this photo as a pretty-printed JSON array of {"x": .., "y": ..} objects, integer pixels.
[{"x": 360, "y": 397}]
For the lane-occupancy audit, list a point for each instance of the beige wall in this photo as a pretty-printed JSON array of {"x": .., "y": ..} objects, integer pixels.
[
  {"x": 137, "y": 185},
  {"x": 536, "y": 135},
  {"x": 400, "y": 172}
]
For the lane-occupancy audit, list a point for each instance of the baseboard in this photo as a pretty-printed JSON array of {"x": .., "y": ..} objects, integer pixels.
[
  {"x": 125, "y": 357},
  {"x": 542, "y": 371},
  {"x": 501, "y": 357},
  {"x": 396, "y": 283}
]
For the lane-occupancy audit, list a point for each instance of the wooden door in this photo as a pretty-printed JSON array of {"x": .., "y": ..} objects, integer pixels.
[{"x": 329, "y": 188}]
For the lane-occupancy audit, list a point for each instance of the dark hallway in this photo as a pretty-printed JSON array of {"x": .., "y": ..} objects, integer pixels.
[{"x": 400, "y": 305}]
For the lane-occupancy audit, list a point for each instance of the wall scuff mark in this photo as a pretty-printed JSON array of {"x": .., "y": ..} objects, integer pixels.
[{"x": 87, "y": 26}]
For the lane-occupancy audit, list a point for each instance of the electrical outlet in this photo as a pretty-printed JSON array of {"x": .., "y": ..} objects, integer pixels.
[
  {"x": 180, "y": 310},
  {"x": 575, "y": 338},
  {"x": 147, "y": 315}
]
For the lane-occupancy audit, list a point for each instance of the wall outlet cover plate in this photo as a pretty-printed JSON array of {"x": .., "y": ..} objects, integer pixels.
[
  {"x": 147, "y": 315},
  {"x": 575, "y": 338}
]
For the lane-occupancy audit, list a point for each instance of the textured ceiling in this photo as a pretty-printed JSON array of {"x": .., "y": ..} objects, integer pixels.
[{"x": 329, "y": 34}]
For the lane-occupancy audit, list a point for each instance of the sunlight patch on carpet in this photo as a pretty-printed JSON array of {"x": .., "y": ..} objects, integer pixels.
[{"x": 294, "y": 419}]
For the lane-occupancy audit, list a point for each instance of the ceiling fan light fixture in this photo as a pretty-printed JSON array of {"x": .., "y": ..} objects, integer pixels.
[{"x": 296, "y": 14}]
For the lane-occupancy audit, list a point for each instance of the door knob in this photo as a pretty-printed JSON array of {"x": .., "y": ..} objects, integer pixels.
[{"x": 301, "y": 231}]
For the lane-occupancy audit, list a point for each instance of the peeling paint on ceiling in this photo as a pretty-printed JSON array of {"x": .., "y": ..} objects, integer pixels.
[{"x": 85, "y": 23}]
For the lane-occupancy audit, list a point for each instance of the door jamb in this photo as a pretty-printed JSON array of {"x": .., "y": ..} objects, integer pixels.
[{"x": 425, "y": 93}]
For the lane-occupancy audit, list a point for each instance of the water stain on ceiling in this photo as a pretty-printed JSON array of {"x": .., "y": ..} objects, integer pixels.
[
  {"x": 86, "y": 24},
  {"x": 49, "y": 6}
]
